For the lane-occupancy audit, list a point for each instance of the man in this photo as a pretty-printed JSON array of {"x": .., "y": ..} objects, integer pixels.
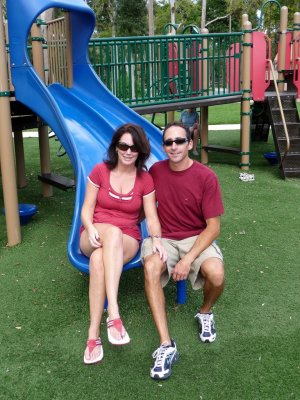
[
  {"x": 190, "y": 118},
  {"x": 189, "y": 208}
]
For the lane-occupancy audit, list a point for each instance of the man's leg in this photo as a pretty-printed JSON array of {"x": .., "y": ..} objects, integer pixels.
[
  {"x": 212, "y": 270},
  {"x": 153, "y": 269},
  {"x": 166, "y": 354}
]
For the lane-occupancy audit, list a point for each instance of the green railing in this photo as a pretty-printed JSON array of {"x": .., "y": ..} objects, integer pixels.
[{"x": 143, "y": 71}]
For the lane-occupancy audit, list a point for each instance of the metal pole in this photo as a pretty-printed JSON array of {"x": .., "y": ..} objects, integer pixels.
[
  {"x": 246, "y": 86},
  {"x": 38, "y": 63},
  {"x": 6, "y": 150}
]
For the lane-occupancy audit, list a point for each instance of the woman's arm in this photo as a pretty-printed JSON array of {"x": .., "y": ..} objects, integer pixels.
[
  {"x": 87, "y": 213},
  {"x": 149, "y": 204}
]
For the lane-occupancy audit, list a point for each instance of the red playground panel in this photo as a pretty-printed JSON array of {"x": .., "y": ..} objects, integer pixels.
[
  {"x": 260, "y": 67},
  {"x": 233, "y": 67}
]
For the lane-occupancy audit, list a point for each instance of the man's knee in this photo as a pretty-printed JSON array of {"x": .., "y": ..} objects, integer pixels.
[
  {"x": 213, "y": 270},
  {"x": 153, "y": 268}
]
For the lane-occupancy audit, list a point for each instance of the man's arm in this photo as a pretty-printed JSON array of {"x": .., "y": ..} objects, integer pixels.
[{"x": 204, "y": 240}]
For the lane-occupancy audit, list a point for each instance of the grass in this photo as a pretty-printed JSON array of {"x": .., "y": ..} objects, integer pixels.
[
  {"x": 44, "y": 301},
  {"x": 221, "y": 114}
]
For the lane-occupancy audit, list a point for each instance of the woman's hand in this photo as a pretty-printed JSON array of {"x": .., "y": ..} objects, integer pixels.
[
  {"x": 157, "y": 247},
  {"x": 94, "y": 237}
]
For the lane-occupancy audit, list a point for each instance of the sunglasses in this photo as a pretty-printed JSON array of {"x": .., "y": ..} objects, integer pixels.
[
  {"x": 124, "y": 147},
  {"x": 177, "y": 141}
]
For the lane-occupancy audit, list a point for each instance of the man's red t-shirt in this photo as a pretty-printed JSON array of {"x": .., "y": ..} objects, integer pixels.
[{"x": 186, "y": 199}]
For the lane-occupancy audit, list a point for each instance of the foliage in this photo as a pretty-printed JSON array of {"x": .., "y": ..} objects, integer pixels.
[
  {"x": 131, "y": 18},
  {"x": 104, "y": 16}
]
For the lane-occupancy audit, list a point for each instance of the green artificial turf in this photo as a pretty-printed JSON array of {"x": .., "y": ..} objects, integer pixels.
[
  {"x": 44, "y": 301},
  {"x": 217, "y": 115}
]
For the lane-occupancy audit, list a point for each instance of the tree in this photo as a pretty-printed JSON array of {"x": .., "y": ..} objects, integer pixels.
[
  {"x": 150, "y": 18},
  {"x": 131, "y": 18},
  {"x": 105, "y": 11}
]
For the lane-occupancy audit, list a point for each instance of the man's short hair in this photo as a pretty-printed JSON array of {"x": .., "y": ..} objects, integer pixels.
[{"x": 180, "y": 125}]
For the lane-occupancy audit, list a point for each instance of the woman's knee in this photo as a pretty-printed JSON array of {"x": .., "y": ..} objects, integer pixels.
[
  {"x": 96, "y": 262},
  {"x": 113, "y": 235}
]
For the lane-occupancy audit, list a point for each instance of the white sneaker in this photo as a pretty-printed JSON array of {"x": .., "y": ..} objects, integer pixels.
[
  {"x": 207, "y": 332},
  {"x": 165, "y": 356},
  {"x": 245, "y": 177}
]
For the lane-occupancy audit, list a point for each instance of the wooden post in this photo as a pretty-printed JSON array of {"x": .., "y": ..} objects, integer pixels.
[
  {"x": 204, "y": 133},
  {"x": 245, "y": 106},
  {"x": 20, "y": 159},
  {"x": 282, "y": 49},
  {"x": 69, "y": 49},
  {"x": 6, "y": 150},
  {"x": 170, "y": 116},
  {"x": 204, "y": 110},
  {"x": 38, "y": 63},
  {"x": 296, "y": 32}
]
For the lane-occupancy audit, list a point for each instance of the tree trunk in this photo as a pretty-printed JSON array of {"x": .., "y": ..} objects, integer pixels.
[
  {"x": 150, "y": 18},
  {"x": 203, "y": 14}
]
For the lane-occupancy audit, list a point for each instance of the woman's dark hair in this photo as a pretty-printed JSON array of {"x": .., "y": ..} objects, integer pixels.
[
  {"x": 180, "y": 125},
  {"x": 139, "y": 139}
]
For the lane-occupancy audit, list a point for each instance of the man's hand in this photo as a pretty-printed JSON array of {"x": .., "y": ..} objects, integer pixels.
[{"x": 181, "y": 270}]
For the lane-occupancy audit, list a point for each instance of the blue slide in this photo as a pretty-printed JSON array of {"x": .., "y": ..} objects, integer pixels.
[{"x": 83, "y": 117}]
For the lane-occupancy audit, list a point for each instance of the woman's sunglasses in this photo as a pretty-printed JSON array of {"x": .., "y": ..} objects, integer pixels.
[
  {"x": 124, "y": 147},
  {"x": 169, "y": 142}
]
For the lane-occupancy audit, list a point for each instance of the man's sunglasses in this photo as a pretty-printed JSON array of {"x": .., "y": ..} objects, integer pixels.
[
  {"x": 124, "y": 147},
  {"x": 169, "y": 142}
]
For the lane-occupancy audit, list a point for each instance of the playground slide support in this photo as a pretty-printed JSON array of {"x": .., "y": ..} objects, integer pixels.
[
  {"x": 204, "y": 134},
  {"x": 282, "y": 47},
  {"x": 170, "y": 116},
  {"x": 20, "y": 159},
  {"x": 38, "y": 63},
  {"x": 204, "y": 110},
  {"x": 69, "y": 49},
  {"x": 246, "y": 89},
  {"x": 6, "y": 150}
]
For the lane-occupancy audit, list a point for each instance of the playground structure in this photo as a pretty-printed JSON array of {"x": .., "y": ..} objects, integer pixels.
[{"x": 149, "y": 74}]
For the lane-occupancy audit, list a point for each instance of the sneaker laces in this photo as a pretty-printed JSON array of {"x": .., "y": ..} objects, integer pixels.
[
  {"x": 205, "y": 323},
  {"x": 159, "y": 355}
]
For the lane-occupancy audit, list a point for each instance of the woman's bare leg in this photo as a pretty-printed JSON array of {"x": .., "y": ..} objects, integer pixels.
[
  {"x": 118, "y": 249},
  {"x": 97, "y": 293}
]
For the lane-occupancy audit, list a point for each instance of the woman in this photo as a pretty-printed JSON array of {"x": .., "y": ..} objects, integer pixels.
[{"x": 117, "y": 192}]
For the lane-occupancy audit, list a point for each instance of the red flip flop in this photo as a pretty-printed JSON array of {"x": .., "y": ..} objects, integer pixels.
[
  {"x": 118, "y": 325},
  {"x": 91, "y": 344}
]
